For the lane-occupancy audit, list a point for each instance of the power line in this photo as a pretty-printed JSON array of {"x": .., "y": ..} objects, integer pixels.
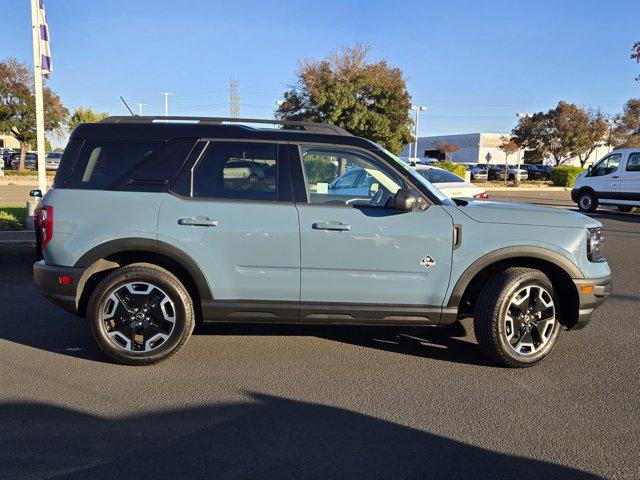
[{"x": 234, "y": 99}]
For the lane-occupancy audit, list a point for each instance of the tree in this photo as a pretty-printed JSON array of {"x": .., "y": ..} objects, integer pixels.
[
  {"x": 85, "y": 115},
  {"x": 447, "y": 149},
  {"x": 635, "y": 55},
  {"x": 18, "y": 105},
  {"x": 561, "y": 133},
  {"x": 509, "y": 147},
  {"x": 367, "y": 99},
  {"x": 626, "y": 133}
]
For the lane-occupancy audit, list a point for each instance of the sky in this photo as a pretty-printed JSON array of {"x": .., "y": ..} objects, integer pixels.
[{"x": 474, "y": 64}]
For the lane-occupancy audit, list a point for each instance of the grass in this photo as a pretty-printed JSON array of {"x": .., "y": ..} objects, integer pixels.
[{"x": 12, "y": 218}]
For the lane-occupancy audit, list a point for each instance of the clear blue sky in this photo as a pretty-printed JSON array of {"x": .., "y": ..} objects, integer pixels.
[{"x": 475, "y": 64}]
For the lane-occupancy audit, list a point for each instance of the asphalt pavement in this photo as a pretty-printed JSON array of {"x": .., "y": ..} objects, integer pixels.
[{"x": 320, "y": 402}]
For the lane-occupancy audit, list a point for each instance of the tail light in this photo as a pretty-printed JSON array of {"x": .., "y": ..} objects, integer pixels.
[
  {"x": 45, "y": 223},
  {"x": 481, "y": 195}
]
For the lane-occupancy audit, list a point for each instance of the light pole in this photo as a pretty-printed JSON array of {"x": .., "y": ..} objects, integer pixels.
[
  {"x": 418, "y": 109},
  {"x": 522, "y": 115},
  {"x": 140, "y": 105},
  {"x": 166, "y": 102}
]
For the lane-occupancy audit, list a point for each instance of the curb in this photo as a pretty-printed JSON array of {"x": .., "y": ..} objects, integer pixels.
[
  {"x": 527, "y": 189},
  {"x": 17, "y": 237}
]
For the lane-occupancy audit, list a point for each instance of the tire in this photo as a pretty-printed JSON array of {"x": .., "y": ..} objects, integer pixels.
[
  {"x": 497, "y": 332},
  {"x": 152, "y": 298},
  {"x": 626, "y": 208},
  {"x": 587, "y": 201}
]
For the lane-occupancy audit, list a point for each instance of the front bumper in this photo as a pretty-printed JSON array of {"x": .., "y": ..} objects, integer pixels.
[
  {"x": 47, "y": 280},
  {"x": 589, "y": 301}
]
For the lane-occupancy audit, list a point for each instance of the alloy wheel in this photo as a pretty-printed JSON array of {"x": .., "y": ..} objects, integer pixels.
[{"x": 529, "y": 320}]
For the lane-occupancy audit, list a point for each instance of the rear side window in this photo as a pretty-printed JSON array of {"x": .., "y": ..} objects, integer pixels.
[
  {"x": 633, "y": 164},
  {"x": 101, "y": 162},
  {"x": 237, "y": 170}
]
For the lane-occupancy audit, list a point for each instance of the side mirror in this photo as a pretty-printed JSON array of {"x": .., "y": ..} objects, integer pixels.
[
  {"x": 407, "y": 200},
  {"x": 35, "y": 193},
  {"x": 589, "y": 169}
]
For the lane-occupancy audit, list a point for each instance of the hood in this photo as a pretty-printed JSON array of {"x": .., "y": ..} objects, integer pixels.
[{"x": 526, "y": 214}]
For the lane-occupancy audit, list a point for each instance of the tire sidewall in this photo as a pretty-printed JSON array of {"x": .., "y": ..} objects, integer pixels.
[
  {"x": 532, "y": 280},
  {"x": 173, "y": 289}
]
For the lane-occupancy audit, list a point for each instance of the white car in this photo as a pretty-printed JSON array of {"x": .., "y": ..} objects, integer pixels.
[
  {"x": 52, "y": 161},
  {"x": 449, "y": 183}
]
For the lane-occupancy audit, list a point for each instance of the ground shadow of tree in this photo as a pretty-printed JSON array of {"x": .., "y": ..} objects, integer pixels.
[{"x": 266, "y": 437}]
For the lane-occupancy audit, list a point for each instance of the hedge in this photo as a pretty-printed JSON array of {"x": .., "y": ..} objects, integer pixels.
[
  {"x": 456, "y": 168},
  {"x": 565, "y": 175}
]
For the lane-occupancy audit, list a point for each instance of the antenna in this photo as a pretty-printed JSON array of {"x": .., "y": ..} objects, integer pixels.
[
  {"x": 125, "y": 104},
  {"x": 234, "y": 99}
]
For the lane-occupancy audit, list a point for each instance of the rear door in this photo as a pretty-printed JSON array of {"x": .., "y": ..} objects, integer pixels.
[
  {"x": 232, "y": 212},
  {"x": 630, "y": 179},
  {"x": 360, "y": 256}
]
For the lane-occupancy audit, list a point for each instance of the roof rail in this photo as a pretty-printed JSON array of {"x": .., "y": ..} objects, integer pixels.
[{"x": 310, "y": 127}]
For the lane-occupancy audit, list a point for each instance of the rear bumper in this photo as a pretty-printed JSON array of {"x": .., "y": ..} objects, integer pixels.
[
  {"x": 589, "y": 301},
  {"x": 47, "y": 280}
]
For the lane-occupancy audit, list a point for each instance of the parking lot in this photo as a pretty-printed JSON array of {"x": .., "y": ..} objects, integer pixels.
[{"x": 272, "y": 401}]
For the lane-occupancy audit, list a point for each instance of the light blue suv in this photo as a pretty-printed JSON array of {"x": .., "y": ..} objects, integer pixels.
[{"x": 153, "y": 225}]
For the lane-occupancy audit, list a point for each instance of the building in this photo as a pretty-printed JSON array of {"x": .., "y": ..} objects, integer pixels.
[
  {"x": 8, "y": 141},
  {"x": 481, "y": 148}
]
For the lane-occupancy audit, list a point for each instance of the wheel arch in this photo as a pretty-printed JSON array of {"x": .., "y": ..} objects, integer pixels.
[
  {"x": 558, "y": 268},
  {"x": 107, "y": 256}
]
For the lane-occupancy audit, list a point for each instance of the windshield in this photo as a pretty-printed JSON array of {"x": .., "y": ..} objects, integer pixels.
[
  {"x": 415, "y": 173},
  {"x": 439, "y": 176}
]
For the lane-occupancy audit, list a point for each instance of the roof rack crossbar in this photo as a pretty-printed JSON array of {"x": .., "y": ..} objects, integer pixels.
[{"x": 310, "y": 127}]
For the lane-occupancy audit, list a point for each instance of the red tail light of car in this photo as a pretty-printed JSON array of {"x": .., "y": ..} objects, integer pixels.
[
  {"x": 45, "y": 223},
  {"x": 481, "y": 195}
]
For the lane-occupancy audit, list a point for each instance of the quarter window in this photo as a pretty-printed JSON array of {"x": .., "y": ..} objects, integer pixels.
[
  {"x": 633, "y": 164},
  {"x": 237, "y": 170},
  {"x": 348, "y": 177}
]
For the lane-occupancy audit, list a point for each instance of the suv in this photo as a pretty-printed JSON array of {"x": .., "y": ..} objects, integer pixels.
[
  {"x": 614, "y": 180},
  {"x": 153, "y": 225}
]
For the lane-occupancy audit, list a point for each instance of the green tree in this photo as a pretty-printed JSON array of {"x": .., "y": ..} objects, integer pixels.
[
  {"x": 561, "y": 133},
  {"x": 626, "y": 133},
  {"x": 368, "y": 99},
  {"x": 84, "y": 115},
  {"x": 18, "y": 106}
]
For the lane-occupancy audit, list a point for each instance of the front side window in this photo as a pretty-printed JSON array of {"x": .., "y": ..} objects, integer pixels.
[
  {"x": 348, "y": 177},
  {"x": 237, "y": 170},
  {"x": 633, "y": 164},
  {"x": 607, "y": 165}
]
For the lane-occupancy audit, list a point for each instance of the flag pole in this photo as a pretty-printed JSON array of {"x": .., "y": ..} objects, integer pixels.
[{"x": 37, "y": 76}]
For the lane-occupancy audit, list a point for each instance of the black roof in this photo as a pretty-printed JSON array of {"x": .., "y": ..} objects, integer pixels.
[{"x": 167, "y": 128}]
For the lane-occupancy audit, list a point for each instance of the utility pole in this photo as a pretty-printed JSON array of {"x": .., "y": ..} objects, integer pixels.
[
  {"x": 417, "y": 109},
  {"x": 166, "y": 102},
  {"x": 140, "y": 105},
  {"x": 234, "y": 99},
  {"x": 37, "y": 77}
]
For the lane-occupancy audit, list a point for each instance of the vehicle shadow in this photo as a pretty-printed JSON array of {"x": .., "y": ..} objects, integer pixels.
[{"x": 264, "y": 437}]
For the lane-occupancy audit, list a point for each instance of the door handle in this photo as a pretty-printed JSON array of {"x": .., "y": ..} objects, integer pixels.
[
  {"x": 339, "y": 226},
  {"x": 615, "y": 176},
  {"x": 198, "y": 222}
]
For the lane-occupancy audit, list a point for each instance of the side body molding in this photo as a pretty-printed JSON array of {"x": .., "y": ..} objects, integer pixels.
[
  {"x": 505, "y": 254},
  {"x": 123, "y": 245}
]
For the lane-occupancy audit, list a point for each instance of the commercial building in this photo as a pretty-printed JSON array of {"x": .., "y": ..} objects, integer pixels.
[
  {"x": 8, "y": 141},
  {"x": 481, "y": 148}
]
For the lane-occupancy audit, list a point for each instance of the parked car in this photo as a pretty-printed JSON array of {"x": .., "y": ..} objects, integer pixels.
[
  {"x": 30, "y": 161},
  {"x": 6, "y": 153},
  {"x": 9, "y": 159},
  {"x": 52, "y": 160},
  {"x": 179, "y": 243},
  {"x": 537, "y": 172},
  {"x": 449, "y": 183},
  {"x": 502, "y": 172},
  {"x": 480, "y": 172},
  {"x": 614, "y": 180}
]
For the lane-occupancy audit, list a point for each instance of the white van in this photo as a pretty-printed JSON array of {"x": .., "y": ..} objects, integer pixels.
[{"x": 614, "y": 180}]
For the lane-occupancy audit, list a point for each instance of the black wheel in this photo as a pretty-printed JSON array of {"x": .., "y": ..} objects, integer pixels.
[
  {"x": 587, "y": 201},
  {"x": 626, "y": 208},
  {"x": 140, "y": 314},
  {"x": 515, "y": 319}
]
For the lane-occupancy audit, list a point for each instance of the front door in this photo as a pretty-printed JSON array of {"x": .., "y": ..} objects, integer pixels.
[
  {"x": 358, "y": 249},
  {"x": 233, "y": 216},
  {"x": 605, "y": 177}
]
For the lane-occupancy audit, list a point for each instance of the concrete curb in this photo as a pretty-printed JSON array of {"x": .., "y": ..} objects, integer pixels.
[
  {"x": 24, "y": 237},
  {"x": 527, "y": 189}
]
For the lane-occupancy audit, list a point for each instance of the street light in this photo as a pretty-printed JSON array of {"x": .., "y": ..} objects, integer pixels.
[{"x": 418, "y": 109}]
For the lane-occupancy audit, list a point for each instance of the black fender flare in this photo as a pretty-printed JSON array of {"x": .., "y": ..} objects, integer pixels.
[
  {"x": 507, "y": 253},
  {"x": 123, "y": 245}
]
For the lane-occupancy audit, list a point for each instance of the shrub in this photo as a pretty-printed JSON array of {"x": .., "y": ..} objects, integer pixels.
[
  {"x": 565, "y": 175},
  {"x": 12, "y": 218},
  {"x": 456, "y": 168}
]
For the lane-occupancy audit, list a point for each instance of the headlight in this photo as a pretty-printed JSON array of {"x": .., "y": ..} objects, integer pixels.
[{"x": 595, "y": 240}]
